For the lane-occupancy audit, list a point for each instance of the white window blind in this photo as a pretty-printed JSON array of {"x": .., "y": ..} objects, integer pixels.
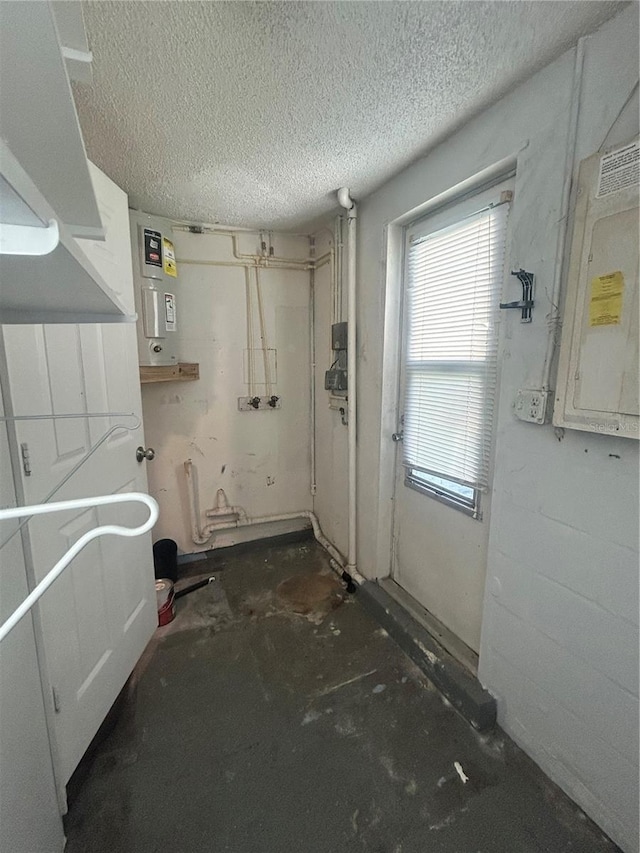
[{"x": 454, "y": 282}]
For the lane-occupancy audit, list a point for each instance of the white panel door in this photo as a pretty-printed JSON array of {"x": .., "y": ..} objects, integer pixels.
[
  {"x": 29, "y": 816},
  {"x": 99, "y": 615}
]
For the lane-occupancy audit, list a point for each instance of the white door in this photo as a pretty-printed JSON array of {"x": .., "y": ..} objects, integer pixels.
[
  {"x": 448, "y": 387},
  {"x": 99, "y": 615}
]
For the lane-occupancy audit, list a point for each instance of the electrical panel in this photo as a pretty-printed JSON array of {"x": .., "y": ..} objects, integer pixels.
[
  {"x": 597, "y": 388},
  {"x": 339, "y": 336},
  {"x": 335, "y": 379},
  {"x": 155, "y": 276}
]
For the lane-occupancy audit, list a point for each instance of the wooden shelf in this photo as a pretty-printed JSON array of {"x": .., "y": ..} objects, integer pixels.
[{"x": 184, "y": 372}]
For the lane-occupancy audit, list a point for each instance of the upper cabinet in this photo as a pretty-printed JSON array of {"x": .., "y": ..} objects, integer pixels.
[{"x": 47, "y": 198}]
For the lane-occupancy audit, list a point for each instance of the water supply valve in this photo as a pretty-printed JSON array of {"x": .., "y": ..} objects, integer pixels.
[{"x": 259, "y": 404}]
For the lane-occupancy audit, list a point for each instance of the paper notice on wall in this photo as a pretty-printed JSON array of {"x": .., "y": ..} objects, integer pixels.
[
  {"x": 605, "y": 306},
  {"x": 169, "y": 258},
  {"x": 619, "y": 169},
  {"x": 170, "y": 312}
]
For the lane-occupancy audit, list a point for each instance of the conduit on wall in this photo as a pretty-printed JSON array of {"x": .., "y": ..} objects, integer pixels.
[{"x": 348, "y": 203}]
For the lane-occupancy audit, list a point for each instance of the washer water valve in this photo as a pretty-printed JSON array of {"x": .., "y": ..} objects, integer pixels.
[{"x": 259, "y": 404}]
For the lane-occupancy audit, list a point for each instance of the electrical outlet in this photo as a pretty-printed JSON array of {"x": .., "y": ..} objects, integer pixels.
[
  {"x": 531, "y": 405},
  {"x": 258, "y": 404}
]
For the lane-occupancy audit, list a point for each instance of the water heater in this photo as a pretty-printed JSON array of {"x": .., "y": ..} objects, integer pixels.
[{"x": 155, "y": 277}]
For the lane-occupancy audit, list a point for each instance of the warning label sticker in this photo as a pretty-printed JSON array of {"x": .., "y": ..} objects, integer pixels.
[
  {"x": 170, "y": 312},
  {"x": 619, "y": 169},
  {"x": 169, "y": 258},
  {"x": 605, "y": 306}
]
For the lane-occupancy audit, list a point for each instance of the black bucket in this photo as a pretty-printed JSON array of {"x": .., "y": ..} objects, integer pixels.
[{"x": 165, "y": 559}]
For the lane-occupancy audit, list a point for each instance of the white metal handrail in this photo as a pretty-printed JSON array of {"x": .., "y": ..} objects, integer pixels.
[
  {"x": 131, "y": 428},
  {"x": 63, "y": 562}
]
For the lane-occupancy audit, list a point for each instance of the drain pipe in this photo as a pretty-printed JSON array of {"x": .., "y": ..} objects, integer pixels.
[
  {"x": 345, "y": 200},
  {"x": 237, "y": 517},
  {"x": 312, "y": 361},
  {"x": 226, "y": 515}
]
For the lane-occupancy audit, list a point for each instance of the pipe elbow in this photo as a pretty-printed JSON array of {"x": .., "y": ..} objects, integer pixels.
[{"x": 345, "y": 200}]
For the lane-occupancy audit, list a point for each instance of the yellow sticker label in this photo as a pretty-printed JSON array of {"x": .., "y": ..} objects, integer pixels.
[
  {"x": 605, "y": 305},
  {"x": 169, "y": 258}
]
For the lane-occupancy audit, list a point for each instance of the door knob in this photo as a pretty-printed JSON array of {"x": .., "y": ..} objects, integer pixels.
[
  {"x": 145, "y": 453},
  {"x": 397, "y": 436}
]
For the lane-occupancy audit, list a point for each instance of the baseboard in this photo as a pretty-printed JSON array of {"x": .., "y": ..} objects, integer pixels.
[
  {"x": 277, "y": 539},
  {"x": 453, "y": 680}
]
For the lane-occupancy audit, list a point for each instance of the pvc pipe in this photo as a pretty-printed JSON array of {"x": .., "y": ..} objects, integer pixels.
[
  {"x": 204, "y": 229},
  {"x": 572, "y": 133},
  {"x": 339, "y": 270},
  {"x": 312, "y": 363},
  {"x": 222, "y": 512},
  {"x": 183, "y": 225},
  {"x": 201, "y": 537},
  {"x": 347, "y": 202},
  {"x": 63, "y": 562},
  {"x": 263, "y": 336},
  {"x": 264, "y": 262}
]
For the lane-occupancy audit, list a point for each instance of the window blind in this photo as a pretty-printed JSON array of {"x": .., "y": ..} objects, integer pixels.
[{"x": 454, "y": 280}]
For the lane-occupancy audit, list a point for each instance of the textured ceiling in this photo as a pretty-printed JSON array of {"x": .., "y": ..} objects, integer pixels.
[{"x": 254, "y": 113}]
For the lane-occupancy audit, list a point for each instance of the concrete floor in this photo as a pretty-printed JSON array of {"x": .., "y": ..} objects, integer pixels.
[{"x": 252, "y": 728}]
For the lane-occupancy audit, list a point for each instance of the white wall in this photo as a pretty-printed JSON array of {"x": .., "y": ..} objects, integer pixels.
[
  {"x": 261, "y": 459},
  {"x": 29, "y": 818},
  {"x": 560, "y": 636}
]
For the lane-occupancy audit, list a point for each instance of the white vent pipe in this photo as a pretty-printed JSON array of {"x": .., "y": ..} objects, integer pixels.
[{"x": 345, "y": 200}]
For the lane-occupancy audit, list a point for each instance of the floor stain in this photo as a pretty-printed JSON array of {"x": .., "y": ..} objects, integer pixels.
[{"x": 311, "y": 594}]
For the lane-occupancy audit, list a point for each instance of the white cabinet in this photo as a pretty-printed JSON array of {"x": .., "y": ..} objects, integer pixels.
[
  {"x": 38, "y": 119},
  {"x": 47, "y": 197}
]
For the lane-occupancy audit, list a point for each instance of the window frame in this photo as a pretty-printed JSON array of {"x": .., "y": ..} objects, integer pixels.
[
  {"x": 413, "y": 479},
  {"x": 452, "y": 214}
]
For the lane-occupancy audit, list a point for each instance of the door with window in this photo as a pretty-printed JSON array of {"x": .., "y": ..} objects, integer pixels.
[{"x": 453, "y": 274}]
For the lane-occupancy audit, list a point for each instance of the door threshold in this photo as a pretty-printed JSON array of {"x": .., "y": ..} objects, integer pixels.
[{"x": 456, "y": 647}]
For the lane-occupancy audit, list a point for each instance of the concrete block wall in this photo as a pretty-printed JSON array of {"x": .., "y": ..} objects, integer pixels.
[{"x": 559, "y": 644}]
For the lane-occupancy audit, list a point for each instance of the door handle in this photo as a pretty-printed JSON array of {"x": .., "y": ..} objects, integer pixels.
[
  {"x": 397, "y": 436},
  {"x": 145, "y": 453}
]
